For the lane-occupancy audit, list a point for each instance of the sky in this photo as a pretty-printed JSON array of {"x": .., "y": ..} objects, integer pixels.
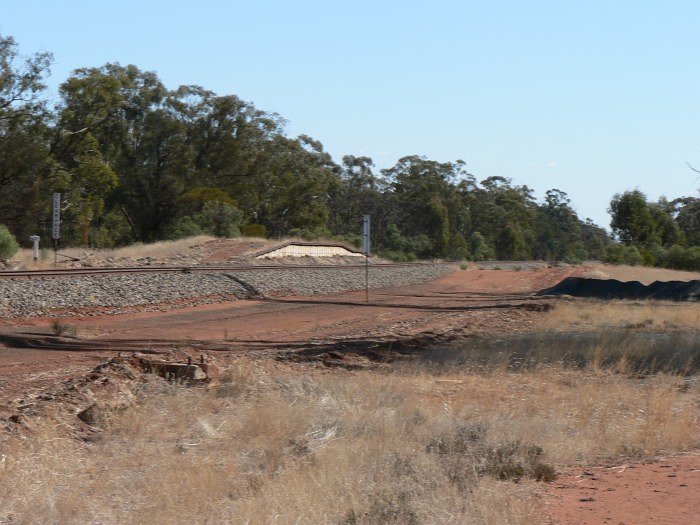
[{"x": 590, "y": 97}]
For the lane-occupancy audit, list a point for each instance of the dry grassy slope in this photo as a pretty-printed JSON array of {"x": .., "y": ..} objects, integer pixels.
[
  {"x": 202, "y": 249},
  {"x": 642, "y": 274}
]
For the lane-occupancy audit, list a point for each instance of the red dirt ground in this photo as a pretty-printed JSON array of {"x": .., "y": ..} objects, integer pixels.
[
  {"x": 663, "y": 492},
  {"x": 462, "y": 303},
  {"x": 465, "y": 301}
]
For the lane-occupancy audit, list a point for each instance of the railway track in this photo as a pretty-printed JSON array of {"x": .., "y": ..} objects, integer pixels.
[{"x": 83, "y": 272}]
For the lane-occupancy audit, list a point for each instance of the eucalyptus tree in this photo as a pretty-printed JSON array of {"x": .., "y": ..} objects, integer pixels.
[{"x": 25, "y": 160}]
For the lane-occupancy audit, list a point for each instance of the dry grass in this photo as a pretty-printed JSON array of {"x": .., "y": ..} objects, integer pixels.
[
  {"x": 163, "y": 250},
  {"x": 157, "y": 250},
  {"x": 643, "y": 274},
  {"x": 651, "y": 315},
  {"x": 411, "y": 445}
]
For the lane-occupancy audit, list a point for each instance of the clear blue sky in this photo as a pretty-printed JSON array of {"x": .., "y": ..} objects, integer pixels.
[{"x": 591, "y": 97}]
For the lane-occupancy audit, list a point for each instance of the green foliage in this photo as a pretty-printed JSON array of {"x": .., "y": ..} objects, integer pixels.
[
  {"x": 8, "y": 244},
  {"x": 656, "y": 231},
  {"x": 576, "y": 253},
  {"x": 398, "y": 256},
  {"x": 194, "y": 200},
  {"x": 184, "y": 227},
  {"x": 458, "y": 247},
  {"x": 681, "y": 258},
  {"x": 310, "y": 234},
  {"x": 113, "y": 230},
  {"x": 621, "y": 254},
  {"x": 479, "y": 249},
  {"x": 688, "y": 218},
  {"x": 560, "y": 234},
  {"x": 215, "y": 218},
  {"x": 254, "y": 230},
  {"x": 632, "y": 219},
  {"x": 512, "y": 243},
  {"x": 26, "y": 163},
  {"x": 220, "y": 219}
]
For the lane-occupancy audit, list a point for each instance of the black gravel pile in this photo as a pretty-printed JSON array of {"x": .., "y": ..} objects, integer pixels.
[{"x": 614, "y": 289}]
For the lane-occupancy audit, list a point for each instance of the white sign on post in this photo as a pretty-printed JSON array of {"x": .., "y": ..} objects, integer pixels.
[
  {"x": 56, "y": 227},
  {"x": 365, "y": 227}
]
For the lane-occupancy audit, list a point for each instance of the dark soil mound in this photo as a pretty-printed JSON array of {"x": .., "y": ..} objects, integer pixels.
[{"x": 614, "y": 289}]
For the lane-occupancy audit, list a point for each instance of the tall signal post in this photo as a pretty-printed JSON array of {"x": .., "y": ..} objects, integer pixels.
[
  {"x": 56, "y": 225},
  {"x": 365, "y": 231}
]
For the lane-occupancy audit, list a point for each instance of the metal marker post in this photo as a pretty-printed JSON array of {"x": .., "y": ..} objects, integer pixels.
[
  {"x": 35, "y": 246},
  {"x": 365, "y": 228},
  {"x": 56, "y": 226}
]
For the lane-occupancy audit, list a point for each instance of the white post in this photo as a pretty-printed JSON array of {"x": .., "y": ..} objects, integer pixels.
[{"x": 35, "y": 242}]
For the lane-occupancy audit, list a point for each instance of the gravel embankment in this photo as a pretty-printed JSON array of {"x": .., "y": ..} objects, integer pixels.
[{"x": 113, "y": 294}]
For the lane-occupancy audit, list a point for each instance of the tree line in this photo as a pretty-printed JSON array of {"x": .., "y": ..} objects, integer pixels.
[
  {"x": 138, "y": 162},
  {"x": 663, "y": 233}
]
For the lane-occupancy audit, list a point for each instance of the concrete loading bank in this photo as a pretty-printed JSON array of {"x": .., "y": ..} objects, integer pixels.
[{"x": 309, "y": 249}]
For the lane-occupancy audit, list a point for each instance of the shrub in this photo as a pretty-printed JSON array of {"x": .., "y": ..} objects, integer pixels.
[
  {"x": 515, "y": 460},
  {"x": 621, "y": 254},
  {"x": 648, "y": 258},
  {"x": 194, "y": 200},
  {"x": 576, "y": 253},
  {"x": 184, "y": 227},
  {"x": 681, "y": 258},
  {"x": 479, "y": 249},
  {"x": 254, "y": 230},
  {"x": 114, "y": 230},
  {"x": 8, "y": 244},
  {"x": 215, "y": 218},
  {"x": 398, "y": 256},
  {"x": 459, "y": 248},
  {"x": 311, "y": 233},
  {"x": 60, "y": 328},
  {"x": 420, "y": 245}
]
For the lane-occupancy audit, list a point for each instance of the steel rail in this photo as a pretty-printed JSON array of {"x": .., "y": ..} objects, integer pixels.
[{"x": 87, "y": 272}]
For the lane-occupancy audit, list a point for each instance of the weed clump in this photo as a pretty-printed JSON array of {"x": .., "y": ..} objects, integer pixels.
[
  {"x": 515, "y": 460},
  {"x": 8, "y": 244},
  {"x": 468, "y": 455},
  {"x": 61, "y": 328}
]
